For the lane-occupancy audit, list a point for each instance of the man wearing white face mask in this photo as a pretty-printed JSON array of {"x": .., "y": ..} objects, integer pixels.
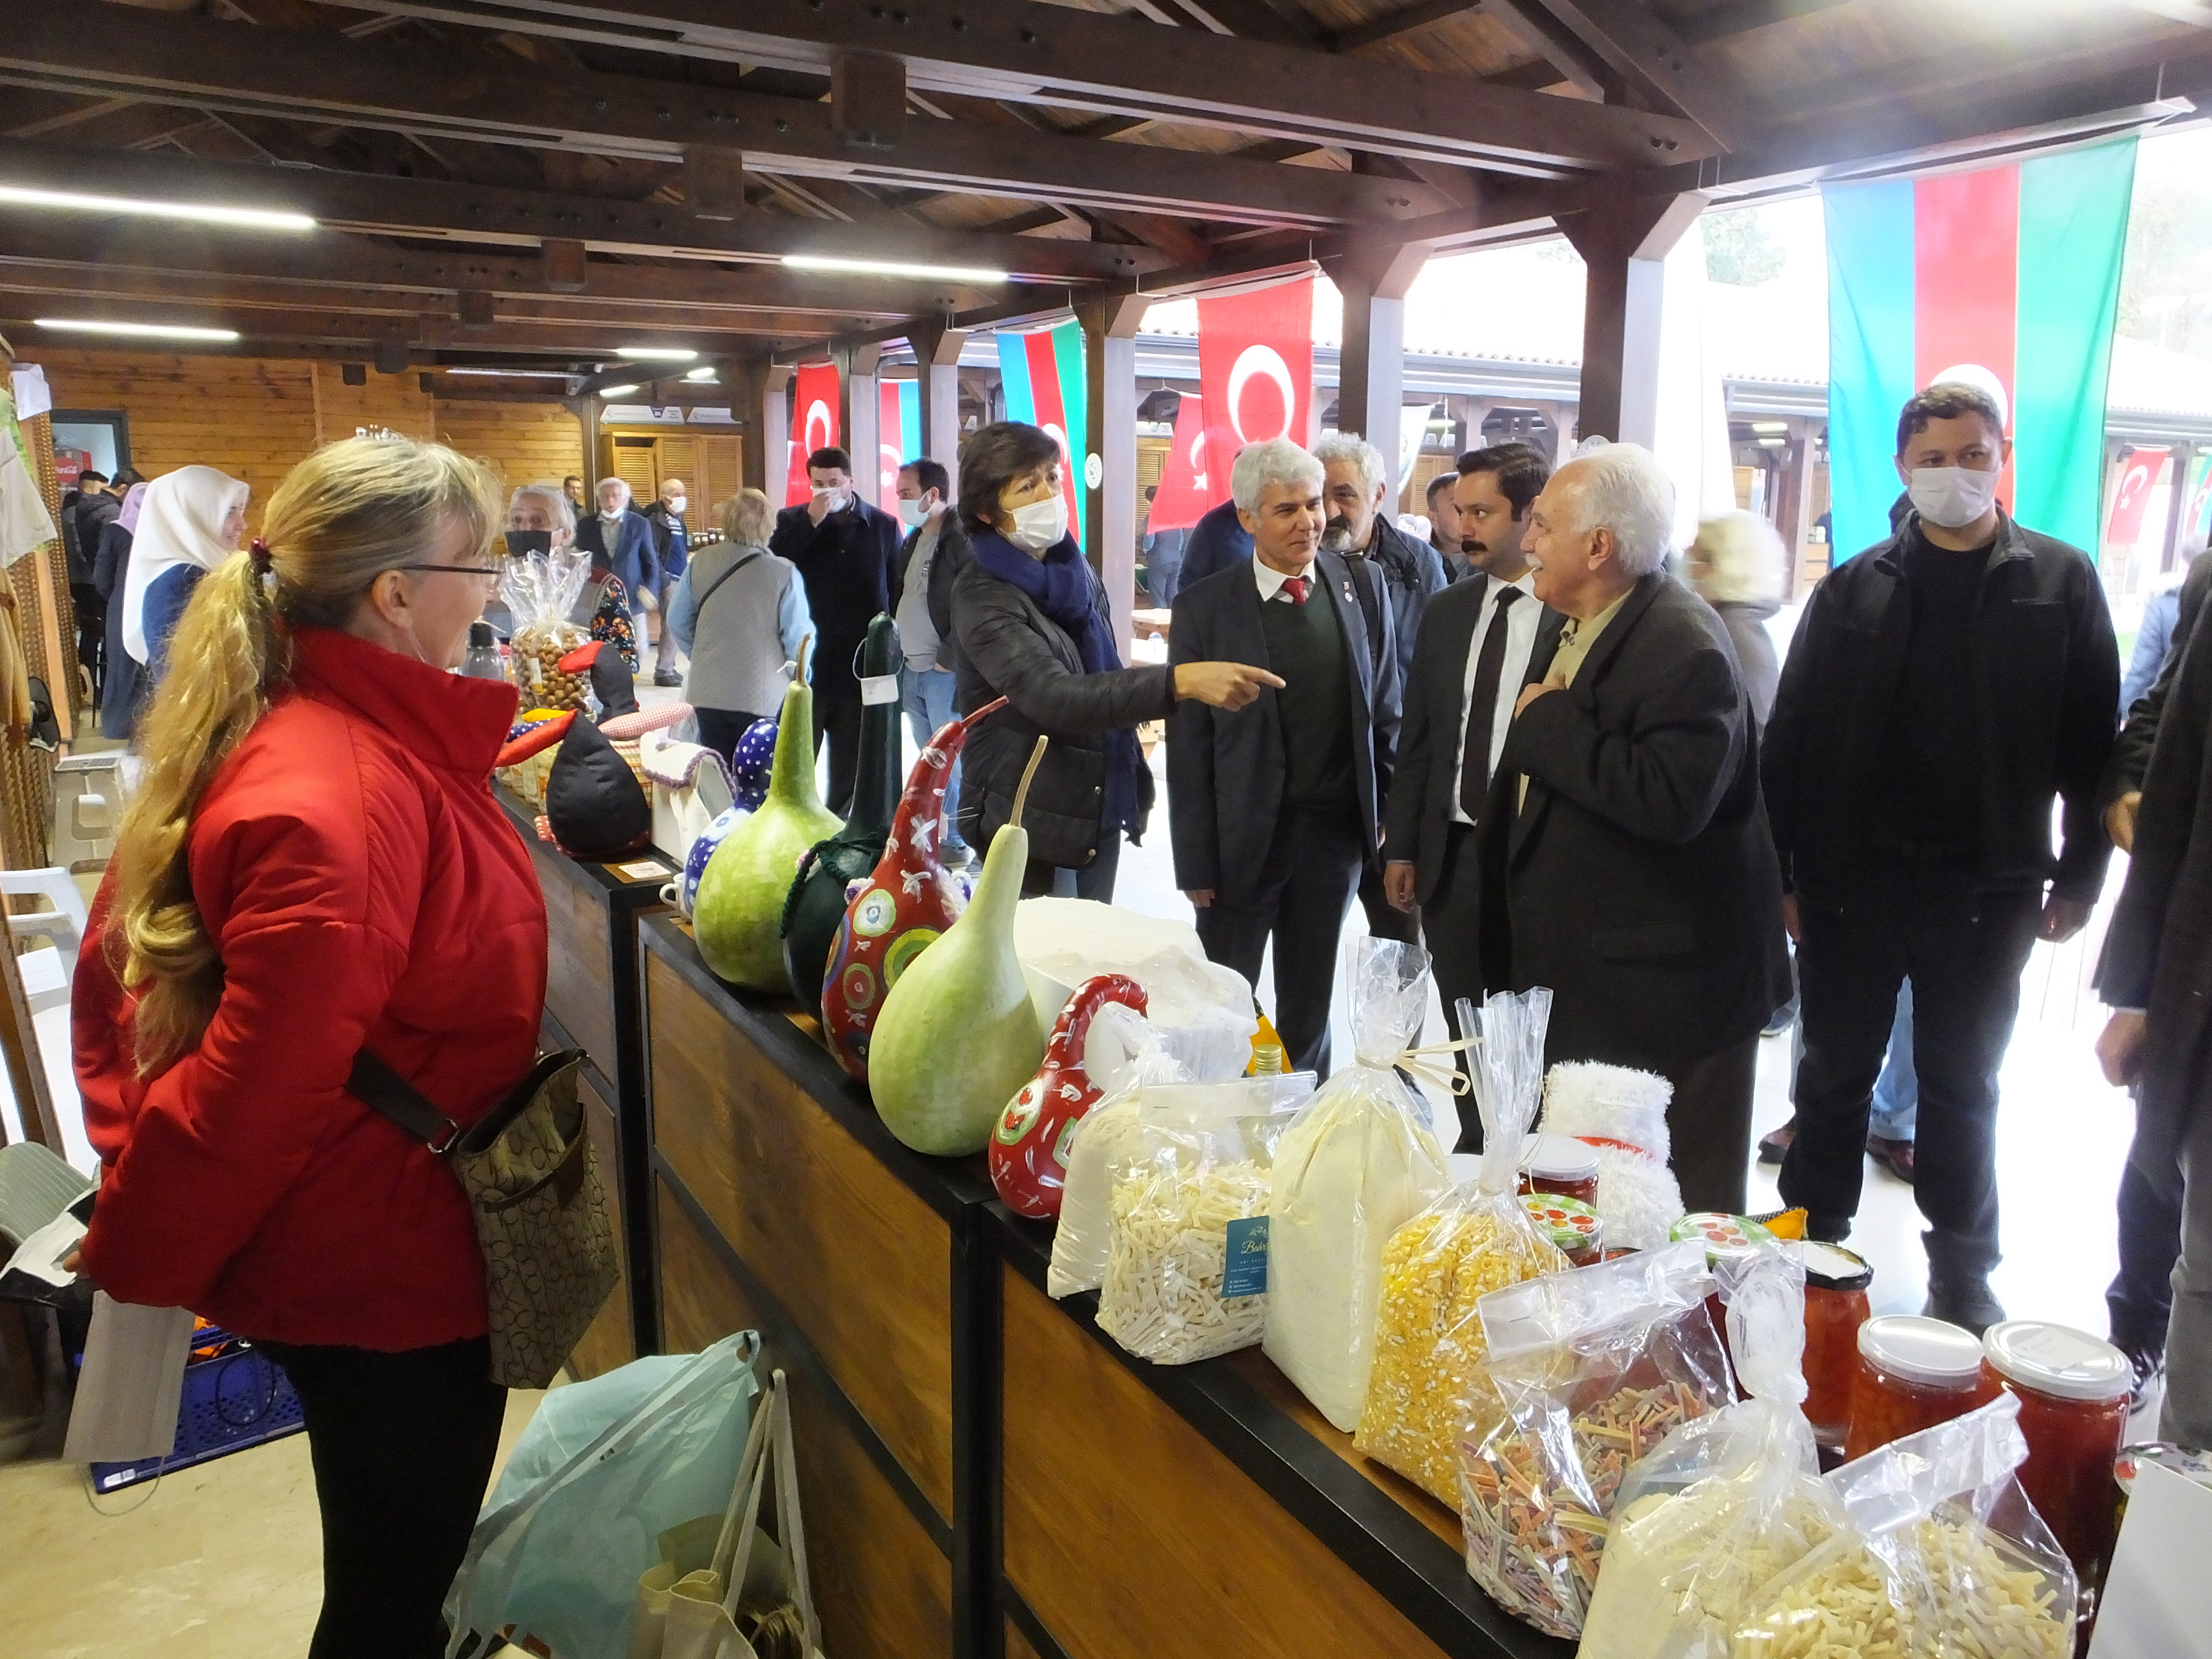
[
  {"x": 1943, "y": 688},
  {"x": 930, "y": 560},
  {"x": 844, "y": 547},
  {"x": 671, "y": 546}
]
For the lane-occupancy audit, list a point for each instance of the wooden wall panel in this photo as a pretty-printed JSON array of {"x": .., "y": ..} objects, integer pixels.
[
  {"x": 857, "y": 1261},
  {"x": 881, "y": 1586},
  {"x": 1131, "y": 1537},
  {"x": 256, "y": 418}
]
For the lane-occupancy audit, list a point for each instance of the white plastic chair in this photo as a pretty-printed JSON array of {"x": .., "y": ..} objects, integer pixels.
[{"x": 46, "y": 974}]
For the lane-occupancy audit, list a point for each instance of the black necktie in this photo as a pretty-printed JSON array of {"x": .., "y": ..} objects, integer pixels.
[{"x": 1482, "y": 710}]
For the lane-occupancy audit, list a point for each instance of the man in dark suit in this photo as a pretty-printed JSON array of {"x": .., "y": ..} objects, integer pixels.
[
  {"x": 1482, "y": 639},
  {"x": 619, "y": 539},
  {"x": 844, "y": 547},
  {"x": 1218, "y": 542},
  {"x": 1274, "y": 809},
  {"x": 1627, "y": 863}
]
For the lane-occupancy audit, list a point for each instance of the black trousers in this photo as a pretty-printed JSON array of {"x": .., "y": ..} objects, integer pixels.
[
  {"x": 403, "y": 1445},
  {"x": 1708, "y": 1126},
  {"x": 839, "y": 723},
  {"x": 1964, "y": 948},
  {"x": 1042, "y": 880},
  {"x": 721, "y": 728},
  {"x": 2141, "y": 1299},
  {"x": 1451, "y": 928},
  {"x": 1302, "y": 897},
  {"x": 91, "y": 631}
]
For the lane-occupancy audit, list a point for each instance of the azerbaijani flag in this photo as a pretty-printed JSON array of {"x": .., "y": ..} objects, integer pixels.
[
  {"x": 2014, "y": 269},
  {"x": 1041, "y": 375}
]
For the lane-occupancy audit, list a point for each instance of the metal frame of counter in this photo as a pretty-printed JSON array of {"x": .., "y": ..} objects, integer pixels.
[
  {"x": 985, "y": 1473},
  {"x": 591, "y": 914}
]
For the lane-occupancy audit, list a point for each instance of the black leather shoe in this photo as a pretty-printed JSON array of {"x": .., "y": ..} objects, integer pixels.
[
  {"x": 1894, "y": 1156},
  {"x": 1773, "y": 1146},
  {"x": 1971, "y": 1305}
]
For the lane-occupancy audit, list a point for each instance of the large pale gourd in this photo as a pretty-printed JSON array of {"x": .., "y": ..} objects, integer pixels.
[
  {"x": 739, "y": 914},
  {"x": 959, "y": 1034}
]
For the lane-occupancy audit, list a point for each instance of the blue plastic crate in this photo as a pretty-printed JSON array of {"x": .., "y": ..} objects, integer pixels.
[{"x": 236, "y": 1399}]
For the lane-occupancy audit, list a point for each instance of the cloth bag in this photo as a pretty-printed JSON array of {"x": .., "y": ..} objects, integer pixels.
[
  {"x": 532, "y": 1182},
  {"x": 561, "y": 1545},
  {"x": 751, "y": 1599},
  {"x": 131, "y": 1385}
]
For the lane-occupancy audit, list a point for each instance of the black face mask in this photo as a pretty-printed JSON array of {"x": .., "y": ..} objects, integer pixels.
[{"x": 520, "y": 544}]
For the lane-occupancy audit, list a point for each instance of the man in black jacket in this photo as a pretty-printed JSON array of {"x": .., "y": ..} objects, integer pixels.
[
  {"x": 1275, "y": 808},
  {"x": 929, "y": 561},
  {"x": 1942, "y": 687},
  {"x": 1626, "y": 859},
  {"x": 844, "y": 547},
  {"x": 1482, "y": 639},
  {"x": 96, "y": 507},
  {"x": 672, "y": 549}
]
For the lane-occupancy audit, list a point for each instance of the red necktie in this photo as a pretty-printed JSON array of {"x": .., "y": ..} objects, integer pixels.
[{"x": 1297, "y": 587}]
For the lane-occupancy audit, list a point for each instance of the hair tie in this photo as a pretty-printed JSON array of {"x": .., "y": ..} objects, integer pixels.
[{"x": 263, "y": 562}]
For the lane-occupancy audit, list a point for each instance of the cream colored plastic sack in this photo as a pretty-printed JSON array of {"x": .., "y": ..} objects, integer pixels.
[{"x": 1357, "y": 1165}]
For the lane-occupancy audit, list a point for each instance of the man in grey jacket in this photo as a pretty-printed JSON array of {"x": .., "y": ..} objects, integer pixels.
[{"x": 929, "y": 561}]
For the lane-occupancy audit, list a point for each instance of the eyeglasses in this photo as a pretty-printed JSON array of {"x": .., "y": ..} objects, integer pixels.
[{"x": 483, "y": 573}]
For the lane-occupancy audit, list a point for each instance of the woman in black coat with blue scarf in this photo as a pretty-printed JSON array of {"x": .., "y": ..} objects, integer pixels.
[{"x": 1031, "y": 619}]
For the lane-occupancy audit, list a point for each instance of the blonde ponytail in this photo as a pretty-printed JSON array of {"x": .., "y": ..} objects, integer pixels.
[{"x": 342, "y": 517}]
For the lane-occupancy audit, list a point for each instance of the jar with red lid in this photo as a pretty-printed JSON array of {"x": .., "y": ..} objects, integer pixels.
[
  {"x": 2072, "y": 1390},
  {"x": 1836, "y": 1281},
  {"x": 1912, "y": 1374},
  {"x": 1562, "y": 1165}
]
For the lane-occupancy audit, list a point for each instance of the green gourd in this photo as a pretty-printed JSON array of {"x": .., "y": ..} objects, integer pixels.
[
  {"x": 739, "y": 914},
  {"x": 959, "y": 1034}
]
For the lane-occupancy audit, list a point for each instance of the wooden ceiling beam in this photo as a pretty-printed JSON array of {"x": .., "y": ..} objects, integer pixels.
[
  {"x": 1637, "y": 43},
  {"x": 1047, "y": 54},
  {"x": 1725, "y": 22},
  {"x": 98, "y": 47},
  {"x": 1422, "y": 14},
  {"x": 486, "y": 215}
]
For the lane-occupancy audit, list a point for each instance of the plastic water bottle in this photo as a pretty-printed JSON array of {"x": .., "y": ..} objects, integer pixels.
[{"x": 482, "y": 660}]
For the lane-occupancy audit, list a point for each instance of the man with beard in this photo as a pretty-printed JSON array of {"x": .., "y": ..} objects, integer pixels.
[{"x": 1481, "y": 641}]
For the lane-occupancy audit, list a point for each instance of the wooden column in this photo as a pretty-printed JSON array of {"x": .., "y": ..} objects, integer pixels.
[
  {"x": 1370, "y": 384},
  {"x": 861, "y": 419},
  {"x": 760, "y": 398},
  {"x": 1110, "y": 370},
  {"x": 937, "y": 354},
  {"x": 1793, "y": 511},
  {"x": 586, "y": 409},
  {"x": 1625, "y": 244}
]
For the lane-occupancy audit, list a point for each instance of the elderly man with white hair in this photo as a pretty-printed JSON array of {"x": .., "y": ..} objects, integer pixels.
[
  {"x": 1275, "y": 807},
  {"x": 1627, "y": 863}
]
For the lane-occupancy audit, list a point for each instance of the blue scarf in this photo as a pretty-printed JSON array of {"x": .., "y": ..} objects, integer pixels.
[{"x": 1060, "y": 585}]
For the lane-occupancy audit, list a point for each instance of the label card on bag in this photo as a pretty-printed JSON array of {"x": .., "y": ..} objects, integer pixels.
[{"x": 1245, "y": 1271}]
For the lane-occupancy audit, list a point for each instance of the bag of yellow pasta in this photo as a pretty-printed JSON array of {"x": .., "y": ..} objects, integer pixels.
[{"x": 1428, "y": 1389}]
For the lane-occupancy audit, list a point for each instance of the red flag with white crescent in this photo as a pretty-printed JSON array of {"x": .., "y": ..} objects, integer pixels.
[
  {"x": 1182, "y": 493},
  {"x": 1256, "y": 373},
  {"x": 2139, "y": 475},
  {"x": 813, "y": 426}
]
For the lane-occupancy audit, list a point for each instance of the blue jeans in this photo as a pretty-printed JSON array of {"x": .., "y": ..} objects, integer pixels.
[
  {"x": 925, "y": 693},
  {"x": 1896, "y": 1109}
]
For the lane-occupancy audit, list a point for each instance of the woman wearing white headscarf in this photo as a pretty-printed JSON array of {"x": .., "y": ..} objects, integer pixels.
[{"x": 189, "y": 523}]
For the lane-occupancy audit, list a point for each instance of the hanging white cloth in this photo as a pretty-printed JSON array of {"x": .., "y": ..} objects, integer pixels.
[
  {"x": 180, "y": 522},
  {"x": 25, "y": 524}
]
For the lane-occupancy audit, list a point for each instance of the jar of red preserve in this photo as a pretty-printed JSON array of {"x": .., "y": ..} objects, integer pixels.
[
  {"x": 1563, "y": 1166},
  {"x": 1912, "y": 1374},
  {"x": 1570, "y": 1224},
  {"x": 1725, "y": 1237},
  {"x": 1836, "y": 1281},
  {"x": 2072, "y": 1390}
]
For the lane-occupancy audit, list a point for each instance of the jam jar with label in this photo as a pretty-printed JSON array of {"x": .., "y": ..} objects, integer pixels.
[
  {"x": 1835, "y": 1282},
  {"x": 1560, "y": 1164},
  {"x": 1569, "y": 1223},
  {"x": 1724, "y": 1236},
  {"x": 1913, "y": 1373},
  {"x": 2072, "y": 1390}
]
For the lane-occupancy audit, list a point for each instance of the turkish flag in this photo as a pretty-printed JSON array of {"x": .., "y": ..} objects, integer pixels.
[
  {"x": 2139, "y": 475},
  {"x": 1183, "y": 494},
  {"x": 813, "y": 426},
  {"x": 1254, "y": 374}
]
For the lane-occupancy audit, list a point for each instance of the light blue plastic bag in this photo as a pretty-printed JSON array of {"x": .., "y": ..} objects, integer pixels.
[{"x": 578, "y": 1513}]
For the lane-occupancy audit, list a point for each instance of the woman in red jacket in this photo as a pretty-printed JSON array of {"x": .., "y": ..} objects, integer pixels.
[{"x": 314, "y": 865}]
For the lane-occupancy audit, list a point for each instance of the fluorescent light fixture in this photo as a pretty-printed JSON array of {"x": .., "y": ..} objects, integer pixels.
[
  {"x": 657, "y": 354},
  {"x": 1770, "y": 426},
  {"x": 206, "y": 213},
  {"x": 143, "y": 330},
  {"x": 706, "y": 373},
  {"x": 514, "y": 374},
  {"x": 617, "y": 391},
  {"x": 894, "y": 268}
]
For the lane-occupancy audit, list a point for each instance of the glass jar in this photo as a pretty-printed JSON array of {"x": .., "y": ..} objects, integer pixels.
[
  {"x": 2072, "y": 1390},
  {"x": 1723, "y": 1236},
  {"x": 1561, "y": 1165},
  {"x": 1913, "y": 1373},
  {"x": 1835, "y": 1282},
  {"x": 1569, "y": 1223}
]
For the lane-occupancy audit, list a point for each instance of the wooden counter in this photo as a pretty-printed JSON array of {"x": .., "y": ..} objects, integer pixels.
[{"x": 591, "y": 913}]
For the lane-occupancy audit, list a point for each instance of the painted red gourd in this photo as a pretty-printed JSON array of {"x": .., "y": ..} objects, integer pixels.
[
  {"x": 1028, "y": 1148},
  {"x": 907, "y": 902}
]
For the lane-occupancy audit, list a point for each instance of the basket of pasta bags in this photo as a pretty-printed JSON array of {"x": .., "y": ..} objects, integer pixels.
[
  {"x": 1430, "y": 1389},
  {"x": 1185, "y": 1275},
  {"x": 541, "y": 590},
  {"x": 1594, "y": 1368}
]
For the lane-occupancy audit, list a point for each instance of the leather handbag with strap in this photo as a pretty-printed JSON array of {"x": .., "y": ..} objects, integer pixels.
[{"x": 541, "y": 1213}]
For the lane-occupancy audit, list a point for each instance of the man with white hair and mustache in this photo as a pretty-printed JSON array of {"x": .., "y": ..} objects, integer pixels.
[{"x": 1626, "y": 859}]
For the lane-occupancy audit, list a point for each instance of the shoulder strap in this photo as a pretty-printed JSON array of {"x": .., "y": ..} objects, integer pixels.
[
  {"x": 1365, "y": 580},
  {"x": 714, "y": 586},
  {"x": 377, "y": 1085}
]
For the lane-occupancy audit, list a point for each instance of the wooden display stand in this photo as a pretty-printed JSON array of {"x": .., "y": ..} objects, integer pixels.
[{"x": 591, "y": 913}]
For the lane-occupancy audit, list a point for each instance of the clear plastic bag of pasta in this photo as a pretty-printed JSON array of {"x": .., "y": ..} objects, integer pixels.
[
  {"x": 540, "y": 590},
  {"x": 1186, "y": 1272},
  {"x": 1704, "y": 1527},
  {"x": 1429, "y": 1388},
  {"x": 1594, "y": 1368},
  {"x": 1944, "y": 1559}
]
